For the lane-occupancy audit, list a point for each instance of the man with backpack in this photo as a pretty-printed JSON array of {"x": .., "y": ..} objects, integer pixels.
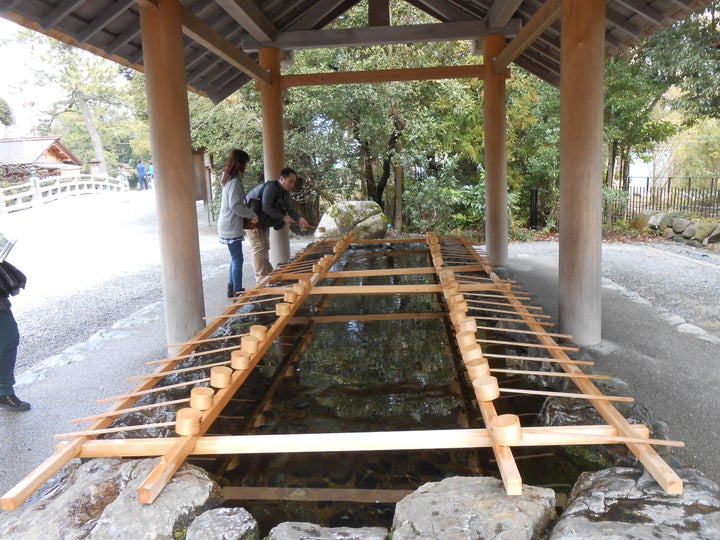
[{"x": 274, "y": 206}]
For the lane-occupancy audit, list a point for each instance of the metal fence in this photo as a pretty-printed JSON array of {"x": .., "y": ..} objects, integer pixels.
[
  {"x": 694, "y": 196},
  {"x": 43, "y": 190}
]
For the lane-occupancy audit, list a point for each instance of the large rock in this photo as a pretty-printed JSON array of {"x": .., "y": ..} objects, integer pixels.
[
  {"x": 679, "y": 224},
  {"x": 307, "y": 531},
  {"x": 459, "y": 508},
  {"x": 689, "y": 231},
  {"x": 714, "y": 236},
  {"x": 224, "y": 524},
  {"x": 704, "y": 229},
  {"x": 625, "y": 503},
  {"x": 98, "y": 500},
  {"x": 365, "y": 218},
  {"x": 655, "y": 220}
]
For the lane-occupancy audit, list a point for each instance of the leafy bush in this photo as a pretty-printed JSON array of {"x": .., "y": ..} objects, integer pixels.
[{"x": 442, "y": 203}]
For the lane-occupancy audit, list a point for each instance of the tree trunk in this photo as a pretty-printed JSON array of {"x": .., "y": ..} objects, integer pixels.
[
  {"x": 399, "y": 181},
  {"x": 625, "y": 167},
  {"x": 612, "y": 154},
  {"x": 92, "y": 132}
]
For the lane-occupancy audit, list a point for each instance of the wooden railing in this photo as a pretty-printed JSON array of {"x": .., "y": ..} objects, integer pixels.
[{"x": 43, "y": 190}]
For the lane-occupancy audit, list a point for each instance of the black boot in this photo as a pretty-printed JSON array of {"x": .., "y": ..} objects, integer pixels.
[
  {"x": 230, "y": 291},
  {"x": 13, "y": 403}
]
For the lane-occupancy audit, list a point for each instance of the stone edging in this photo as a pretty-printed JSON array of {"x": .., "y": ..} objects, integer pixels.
[{"x": 673, "y": 226}]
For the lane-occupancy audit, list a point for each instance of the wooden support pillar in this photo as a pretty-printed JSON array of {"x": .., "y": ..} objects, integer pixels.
[
  {"x": 378, "y": 13},
  {"x": 273, "y": 143},
  {"x": 581, "y": 130},
  {"x": 162, "y": 41},
  {"x": 496, "y": 215}
]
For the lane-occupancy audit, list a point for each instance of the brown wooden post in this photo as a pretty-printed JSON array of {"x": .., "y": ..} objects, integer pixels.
[
  {"x": 273, "y": 143},
  {"x": 166, "y": 88},
  {"x": 496, "y": 215},
  {"x": 581, "y": 130},
  {"x": 378, "y": 13}
]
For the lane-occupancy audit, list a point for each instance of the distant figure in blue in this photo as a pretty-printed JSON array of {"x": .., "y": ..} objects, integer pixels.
[
  {"x": 142, "y": 175},
  {"x": 150, "y": 171}
]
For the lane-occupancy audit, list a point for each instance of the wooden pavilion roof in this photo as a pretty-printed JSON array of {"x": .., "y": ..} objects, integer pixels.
[{"x": 222, "y": 37}]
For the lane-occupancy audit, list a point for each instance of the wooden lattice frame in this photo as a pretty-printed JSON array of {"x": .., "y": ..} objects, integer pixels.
[{"x": 454, "y": 261}]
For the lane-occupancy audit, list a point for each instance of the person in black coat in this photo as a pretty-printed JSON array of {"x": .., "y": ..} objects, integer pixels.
[
  {"x": 11, "y": 280},
  {"x": 277, "y": 209}
]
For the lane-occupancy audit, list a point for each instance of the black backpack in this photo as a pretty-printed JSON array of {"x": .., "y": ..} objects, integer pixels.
[
  {"x": 254, "y": 202},
  {"x": 11, "y": 280}
]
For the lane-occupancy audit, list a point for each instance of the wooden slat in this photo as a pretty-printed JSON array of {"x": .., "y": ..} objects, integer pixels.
[
  {"x": 358, "y": 441},
  {"x": 249, "y": 493},
  {"x": 377, "y": 289},
  {"x": 370, "y": 317}
]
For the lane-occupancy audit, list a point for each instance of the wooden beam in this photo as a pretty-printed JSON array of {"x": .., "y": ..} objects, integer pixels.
[
  {"x": 148, "y": 4},
  {"x": 619, "y": 20},
  {"x": 440, "y": 9},
  {"x": 103, "y": 19},
  {"x": 250, "y": 493},
  {"x": 379, "y": 272},
  {"x": 319, "y": 319},
  {"x": 197, "y": 30},
  {"x": 377, "y": 289},
  {"x": 355, "y": 441},
  {"x": 59, "y": 12},
  {"x": 378, "y": 35},
  {"x": 383, "y": 75},
  {"x": 250, "y": 17},
  {"x": 317, "y": 12},
  {"x": 642, "y": 8},
  {"x": 378, "y": 13},
  {"x": 546, "y": 15},
  {"x": 501, "y": 12}
]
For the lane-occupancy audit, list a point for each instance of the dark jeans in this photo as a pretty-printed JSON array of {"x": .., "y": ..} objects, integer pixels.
[
  {"x": 9, "y": 341},
  {"x": 236, "y": 264}
]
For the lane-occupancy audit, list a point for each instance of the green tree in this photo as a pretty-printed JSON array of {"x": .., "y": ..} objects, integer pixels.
[
  {"x": 632, "y": 126},
  {"x": 698, "y": 153},
  {"x": 90, "y": 113},
  {"x": 687, "y": 55},
  {"x": 6, "y": 115}
]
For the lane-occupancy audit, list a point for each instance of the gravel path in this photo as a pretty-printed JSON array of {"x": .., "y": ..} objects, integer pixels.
[
  {"x": 90, "y": 261},
  {"x": 674, "y": 278}
]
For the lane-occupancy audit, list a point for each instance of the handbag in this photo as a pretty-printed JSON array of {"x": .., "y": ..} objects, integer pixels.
[{"x": 11, "y": 279}]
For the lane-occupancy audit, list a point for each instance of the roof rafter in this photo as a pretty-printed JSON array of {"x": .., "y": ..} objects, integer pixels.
[
  {"x": 443, "y": 11},
  {"x": 199, "y": 31},
  {"x": 99, "y": 23},
  {"x": 643, "y": 9},
  {"x": 548, "y": 13},
  {"x": 313, "y": 16},
  {"x": 501, "y": 12},
  {"x": 249, "y": 16}
]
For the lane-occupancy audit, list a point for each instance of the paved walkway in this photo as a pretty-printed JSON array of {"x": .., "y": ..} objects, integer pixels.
[
  {"x": 670, "y": 369},
  {"x": 675, "y": 374}
]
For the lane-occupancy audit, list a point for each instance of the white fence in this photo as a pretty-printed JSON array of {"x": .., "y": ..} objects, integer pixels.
[{"x": 43, "y": 190}]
